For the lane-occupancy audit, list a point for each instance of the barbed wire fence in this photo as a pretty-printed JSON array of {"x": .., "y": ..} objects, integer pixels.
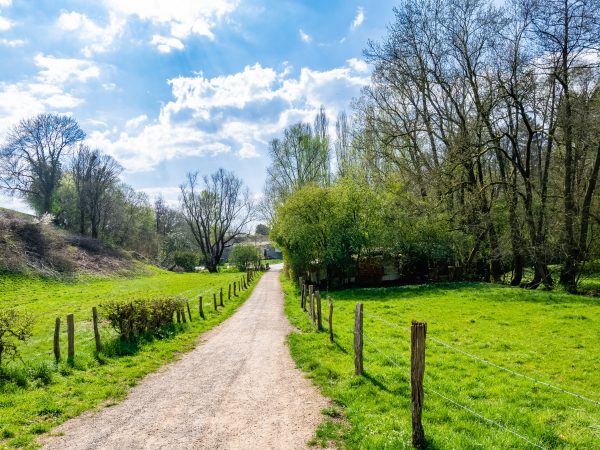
[{"x": 407, "y": 369}]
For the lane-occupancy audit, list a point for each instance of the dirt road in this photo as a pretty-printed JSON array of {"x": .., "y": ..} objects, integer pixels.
[{"x": 239, "y": 389}]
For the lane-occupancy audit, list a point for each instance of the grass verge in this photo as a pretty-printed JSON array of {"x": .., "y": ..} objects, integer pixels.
[
  {"x": 550, "y": 336},
  {"x": 37, "y": 394}
]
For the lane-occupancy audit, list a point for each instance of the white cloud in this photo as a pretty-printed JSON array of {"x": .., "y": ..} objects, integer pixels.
[
  {"x": 12, "y": 42},
  {"x": 166, "y": 44},
  {"x": 248, "y": 151},
  {"x": 183, "y": 17},
  {"x": 49, "y": 90},
  {"x": 99, "y": 39},
  {"x": 242, "y": 111},
  {"x": 359, "y": 18},
  {"x": 60, "y": 70},
  {"x": 305, "y": 37},
  {"x": 5, "y": 3},
  {"x": 5, "y": 24},
  {"x": 135, "y": 123},
  {"x": 358, "y": 65}
]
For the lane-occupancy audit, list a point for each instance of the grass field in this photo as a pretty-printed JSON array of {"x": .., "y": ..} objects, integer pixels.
[
  {"x": 553, "y": 337},
  {"x": 53, "y": 393}
]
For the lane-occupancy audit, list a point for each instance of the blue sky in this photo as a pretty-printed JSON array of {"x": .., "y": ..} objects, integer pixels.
[{"x": 169, "y": 86}]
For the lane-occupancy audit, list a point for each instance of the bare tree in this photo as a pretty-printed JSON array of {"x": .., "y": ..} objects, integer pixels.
[
  {"x": 31, "y": 160},
  {"x": 93, "y": 174},
  {"x": 217, "y": 212}
]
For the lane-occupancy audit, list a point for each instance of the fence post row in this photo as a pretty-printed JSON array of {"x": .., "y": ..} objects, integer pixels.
[
  {"x": 358, "y": 339},
  {"x": 71, "y": 338},
  {"x": 418, "y": 331},
  {"x": 200, "y": 308},
  {"x": 319, "y": 318},
  {"x": 57, "y": 339},
  {"x": 187, "y": 303},
  {"x": 330, "y": 301},
  {"x": 96, "y": 332}
]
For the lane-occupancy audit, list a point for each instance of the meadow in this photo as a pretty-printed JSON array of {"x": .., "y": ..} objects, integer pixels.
[
  {"x": 36, "y": 393},
  {"x": 549, "y": 336}
]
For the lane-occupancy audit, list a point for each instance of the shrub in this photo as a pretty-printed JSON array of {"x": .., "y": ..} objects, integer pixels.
[
  {"x": 138, "y": 317},
  {"x": 14, "y": 326},
  {"x": 186, "y": 260},
  {"x": 244, "y": 256}
]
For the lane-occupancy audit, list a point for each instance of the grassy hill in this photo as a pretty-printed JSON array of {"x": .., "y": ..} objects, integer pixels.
[{"x": 30, "y": 247}]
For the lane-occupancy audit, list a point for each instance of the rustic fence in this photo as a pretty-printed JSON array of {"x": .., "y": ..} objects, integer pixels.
[
  {"x": 418, "y": 337},
  {"x": 179, "y": 316}
]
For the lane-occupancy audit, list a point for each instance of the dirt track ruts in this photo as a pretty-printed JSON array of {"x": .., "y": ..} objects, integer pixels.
[{"x": 238, "y": 389}]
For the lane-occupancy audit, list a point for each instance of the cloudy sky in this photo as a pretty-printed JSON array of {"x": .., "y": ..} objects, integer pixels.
[{"x": 169, "y": 86}]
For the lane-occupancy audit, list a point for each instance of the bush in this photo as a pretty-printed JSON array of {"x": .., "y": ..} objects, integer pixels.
[
  {"x": 244, "y": 256},
  {"x": 138, "y": 317},
  {"x": 186, "y": 260},
  {"x": 14, "y": 326}
]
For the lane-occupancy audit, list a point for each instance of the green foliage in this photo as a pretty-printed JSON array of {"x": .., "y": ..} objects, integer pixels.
[
  {"x": 187, "y": 260},
  {"x": 15, "y": 326},
  {"x": 331, "y": 229},
  {"x": 244, "y": 256},
  {"x": 139, "y": 317},
  {"x": 493, "y": 322}
]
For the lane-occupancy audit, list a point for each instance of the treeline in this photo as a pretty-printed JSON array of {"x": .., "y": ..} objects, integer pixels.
[
  {"x": 45, "y": 161},
  {"x": 478, "y": 137}
]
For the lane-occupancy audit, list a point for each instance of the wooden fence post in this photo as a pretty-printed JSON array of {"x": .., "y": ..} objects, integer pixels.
[
  {"x": 303, "y": 300},
  {"x": 187, "y": 303},
  {"x": 358, "y": 339},
  {"x": 57, "y": 339},
  {"x": 200, "y": 308},
  {"x": 178, "y": 316},
  {"x": 310, "y": 302},
  {"x": 418, "y": 331},
  {"x": 96, "y": 332},
  {"x": 234, "y": 289},
  {"x": 71, "y": 338},
  {"x": 215, "y": 300},
  {"x": 221, "y": 298},
  {"x": 319, "y": 317},
  {"x": 183, "y": 315},
  {"x": 330, "y": 301},
  {"x": 229, "y": 292}
]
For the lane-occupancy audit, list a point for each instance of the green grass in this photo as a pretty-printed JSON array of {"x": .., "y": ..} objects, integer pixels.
[
  {"x": 42, "y": 394},
  {"x": 550, "y": 336}
]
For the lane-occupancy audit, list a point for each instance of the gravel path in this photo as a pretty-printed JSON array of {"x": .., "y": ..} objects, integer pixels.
[{"x": 238, "y": 389}]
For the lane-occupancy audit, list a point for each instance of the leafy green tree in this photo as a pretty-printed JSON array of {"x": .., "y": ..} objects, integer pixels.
[
  {"x": 244, "y": 256},
  {"x": 14, "y": 326}
]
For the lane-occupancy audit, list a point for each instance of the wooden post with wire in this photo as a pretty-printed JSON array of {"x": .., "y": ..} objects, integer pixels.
[
  {"x": 96, "y": 332},
  {"x": 358, "y": 339},
  {"x": 319, "y": 317},
  {"x": 187, "y": 303},
  {"x": 330, "y": 301},
  {"x": 311, "y": 306},
  {"x": 418, "y": 331},
  {"x": 57, "y": 339},
  {"x": 200, "y": 308},
  {"x": 71, "y": 338}
]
